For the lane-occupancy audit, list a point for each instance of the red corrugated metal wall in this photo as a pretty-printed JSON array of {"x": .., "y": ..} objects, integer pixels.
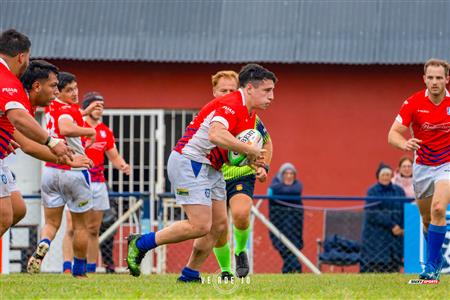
[{"x": 331, "y": 121}]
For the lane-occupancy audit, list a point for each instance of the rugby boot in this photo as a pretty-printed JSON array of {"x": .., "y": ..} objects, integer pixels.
[
  {"x": 35, "y": 261},
  {"x": 242, "y": 266},
  {"x": 135, "y": 256}
]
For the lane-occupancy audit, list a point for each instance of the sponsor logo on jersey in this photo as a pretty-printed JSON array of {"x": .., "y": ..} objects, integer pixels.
[
  {"x": 229, "y": 110},
  {"x": 448, "y": 111},
  {"x": 182, "y": 192},
  {"x": 98, "y": 146},
  {"x": 423, "y": 111},
  {"x": 10, "y": 91},
  {"x": 445, "y": 127},
  {"x": 83, "y": 203}
]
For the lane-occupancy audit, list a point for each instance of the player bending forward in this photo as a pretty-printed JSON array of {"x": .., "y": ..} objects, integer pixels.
[{"x": 194, "y": 170}]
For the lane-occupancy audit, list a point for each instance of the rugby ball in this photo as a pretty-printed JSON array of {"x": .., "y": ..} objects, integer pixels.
[{"x": 250, "y": 137}]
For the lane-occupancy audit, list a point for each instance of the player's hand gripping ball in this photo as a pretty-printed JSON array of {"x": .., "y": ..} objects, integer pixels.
[{"x": 251, "y": 137}]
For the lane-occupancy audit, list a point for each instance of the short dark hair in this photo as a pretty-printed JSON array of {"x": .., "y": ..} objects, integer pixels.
[
  {"x": 37, "y": 70},
  {"x": 64, "y": 78},
  {"x": 90, "y": 97},
  {"x": 255, "y": 74},
  {"x": 13, "y": 42}
]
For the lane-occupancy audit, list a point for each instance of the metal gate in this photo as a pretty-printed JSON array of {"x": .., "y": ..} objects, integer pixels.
[{"x": 145, "y": 139}]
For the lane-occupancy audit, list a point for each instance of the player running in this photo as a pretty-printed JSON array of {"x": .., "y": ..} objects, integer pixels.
[
  {"x": 62, "y": 184},
  {"x": 194, "y": 170},
  {"x": 427, "y": 113},
  {"x": 240, "y": 183}
]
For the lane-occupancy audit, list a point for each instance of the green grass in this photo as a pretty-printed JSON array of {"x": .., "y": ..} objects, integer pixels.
[{"x": 304, "y": 286}]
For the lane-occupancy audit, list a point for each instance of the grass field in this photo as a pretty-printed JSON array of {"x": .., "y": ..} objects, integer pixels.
[{"x": 304, "y": 286}]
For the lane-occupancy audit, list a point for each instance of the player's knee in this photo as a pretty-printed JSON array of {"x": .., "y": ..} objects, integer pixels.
[
  {"x": 241, "y": 222},
  {"x": 93, "y": 230},
  {"x": 438, "y": 211},
  {"x": 218, "y": 229},
  {"x": 241, "y": 215},
  {"x": 19, "y": 214},
  {"x": 201, "y": 229}
]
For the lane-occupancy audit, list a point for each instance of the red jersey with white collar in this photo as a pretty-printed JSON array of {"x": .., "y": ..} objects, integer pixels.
[
  {"x": 57, "y": 111},
  {"x": 12, "y": 96},
  {"x": 104, "y": 141},
  {"x": 230, "y": 110},
  {"x": 431, "y": 124}
]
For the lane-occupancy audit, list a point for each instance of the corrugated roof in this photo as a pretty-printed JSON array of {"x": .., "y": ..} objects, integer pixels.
[{"x": 339, "y": 31}]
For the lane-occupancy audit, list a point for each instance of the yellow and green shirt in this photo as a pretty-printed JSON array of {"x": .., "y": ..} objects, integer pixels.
[{"x": 234, "y": 172}]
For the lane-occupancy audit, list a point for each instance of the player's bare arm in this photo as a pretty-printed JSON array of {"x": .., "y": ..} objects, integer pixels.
[
  {"x": 117, "y": 161},
  {"x": 93, "y": 106},
  {"x": 261, "y": 172},
  {"x": 220, "y": 136},
  {"x": 43, "y": 153},
  {"x": 396, "y": 138},
  {"x": 69, "y": 129},
  {"x": 13, "y": 145},
  {"x": 29, "y": 127}
]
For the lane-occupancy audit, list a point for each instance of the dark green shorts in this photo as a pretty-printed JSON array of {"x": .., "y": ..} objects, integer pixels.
[{"x": 242, "y": 185}]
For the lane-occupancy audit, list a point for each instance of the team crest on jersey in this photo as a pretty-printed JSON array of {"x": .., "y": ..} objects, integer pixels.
[
  {"x": 239, "y": 187},
  {"x": 10, "y": 91},
  {"x": 4, "y": 179},
  {"x": 102, "y": 133}
]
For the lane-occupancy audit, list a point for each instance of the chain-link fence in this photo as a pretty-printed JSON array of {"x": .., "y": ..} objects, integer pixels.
[
  {"x": 121, "y": 219},
  {"x": 311, "y": 234},
  {"x": 325, "y": 234}
]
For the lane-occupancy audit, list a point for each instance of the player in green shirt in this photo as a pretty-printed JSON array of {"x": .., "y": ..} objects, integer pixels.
[{"x": 240, "y": 186}]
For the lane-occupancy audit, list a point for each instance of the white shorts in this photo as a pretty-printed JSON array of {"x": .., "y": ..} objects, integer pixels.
[
  {"x": 60, "y": 187},
  {"x": 7, "y": 181},
  {"x": 100, "y": 199},
  {"x": 194, "y": 182},
  {"x": 424, "y": 178}
]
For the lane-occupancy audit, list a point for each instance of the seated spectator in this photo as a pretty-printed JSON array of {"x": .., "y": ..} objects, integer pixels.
[
  {"x": 403, "y": 176},
  {"x": 382, "y": 234},
  {"x": 287, "y": 215}
]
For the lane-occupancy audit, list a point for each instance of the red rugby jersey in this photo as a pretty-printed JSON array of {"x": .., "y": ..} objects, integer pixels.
[
  {"x": 230, "y": 110},
  {"x": 431, "y": 124},
  {"x": 12, "y": 96},
  {"x": 56, "y": 111},
  {"x": 104, "y": 141}
]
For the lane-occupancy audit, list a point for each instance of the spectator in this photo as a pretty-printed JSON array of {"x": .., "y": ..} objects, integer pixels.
[
  {"x": 382, "y": 234},
  {"x": 403, "y": 176},
  {"x": 287, "y": 215}
]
